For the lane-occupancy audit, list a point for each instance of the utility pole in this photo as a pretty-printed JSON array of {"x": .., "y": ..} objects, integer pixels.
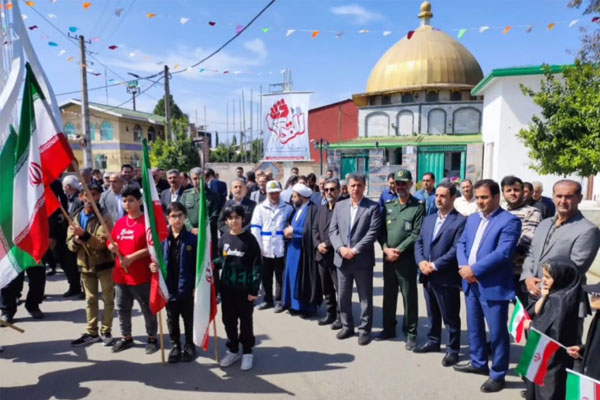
[
  {"x": 251, "y": 125},
  {"x": 85, "y": 107},
  {"x": 168, "y": 104}
]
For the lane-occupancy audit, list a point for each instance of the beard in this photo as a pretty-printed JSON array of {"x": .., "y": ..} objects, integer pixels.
[{"x": 298, "y": 203}]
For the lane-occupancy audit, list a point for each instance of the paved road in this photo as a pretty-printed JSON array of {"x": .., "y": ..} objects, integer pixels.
[{"x": 294, "y": 358}]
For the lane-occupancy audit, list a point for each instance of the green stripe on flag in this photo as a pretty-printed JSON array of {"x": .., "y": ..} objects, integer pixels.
[
  {"x": 201, "y": 253},
  {"x": 573, "y": 385},
  {"x": 528, "y": 353}
]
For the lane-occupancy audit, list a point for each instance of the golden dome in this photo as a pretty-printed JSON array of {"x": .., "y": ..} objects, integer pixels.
[{"x": 430, "y": 59}]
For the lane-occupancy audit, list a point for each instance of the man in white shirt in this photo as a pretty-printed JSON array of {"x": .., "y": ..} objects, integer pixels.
[{"x": 466, "y": 204}]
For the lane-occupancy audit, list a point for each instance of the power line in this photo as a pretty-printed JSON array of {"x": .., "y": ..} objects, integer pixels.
[{"x": 120, "y": 21}]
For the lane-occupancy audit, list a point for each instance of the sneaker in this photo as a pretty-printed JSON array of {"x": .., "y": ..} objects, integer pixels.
[
  {"x": 189, "y": 352},
  {"x": 85, "y": 339},
  {"x": 229, "y": 359},
  {"x": 247, "y": 362},
  {"x": 122, "y": 344},
  {"x": 152, "y": 346},
  {"x": 175, "y": 354},
  {"x": 107, "y": 339}
]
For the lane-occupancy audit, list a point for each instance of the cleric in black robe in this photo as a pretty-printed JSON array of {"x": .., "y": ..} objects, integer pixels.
[
  {"x": 301, "y": 284},
  {"x": 558, "y": 318}
]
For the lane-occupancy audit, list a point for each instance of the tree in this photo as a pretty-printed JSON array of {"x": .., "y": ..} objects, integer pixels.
[
  {"x": 590, "y": 41},
  {"x": 180, "y": 153},
  {"x": 176, "y": 112},
  {"x": 566, "y": 138},
  {"x": 231, "y": 153}
]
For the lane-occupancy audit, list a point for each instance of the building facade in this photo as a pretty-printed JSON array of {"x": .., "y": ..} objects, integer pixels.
[
  {"x": 116, "y": 133},
  {"x": 417, "y": 112}
]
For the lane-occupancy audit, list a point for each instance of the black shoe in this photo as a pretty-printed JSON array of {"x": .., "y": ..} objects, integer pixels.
[
  {"x": 427, "y": 348},
  {"x": 175, "y": 354},
  {"x": 345, "y": 334},
  {"x": 469, "y": 368},
  {"x": 51, "y": 272},
  {"x": 450, "y": 359},
  {"x": 327, "y": 320},
  {"x": 36, "y": 313},
  {"x": 151, "y": 346},
  {"x": 278, "y": 309},
  {"x": 364, "y": 338},
  {"x": 492, "y": 386},
  {"x": 265, "y": 306},
  {"x": 7, "y": 318},
  {"x": 336, "y": 325},
  {"x": 305, "y": 315},
  {"x": 70, "y": 293},
  {"x": 122, "y": 344},
  {"x": 523, "y": 394},
  {"x": 85, "y": 339},
  {"x": 411, "y": 343},
  {"x": 189, "y": 353},
  {"x": 385, "y": 335}
]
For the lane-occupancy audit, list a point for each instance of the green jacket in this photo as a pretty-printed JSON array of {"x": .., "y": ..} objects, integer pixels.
[
  {"x": 402, "y": 224},
  {"x": 95, "y": 241},
  {"x": 191, "y": 200}
]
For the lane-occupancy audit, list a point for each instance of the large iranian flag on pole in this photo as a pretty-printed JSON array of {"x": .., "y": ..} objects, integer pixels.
[
  {"x": 536, "y": 355},
  {"x": 42, "y": 153},
  {"x": 205, "y": 299},
  {"x": 517, "y": 322},
  {"x": 12, "y": 259},
  {"x": 581, "y": 387},
  {"x": 156, "y": 232}
]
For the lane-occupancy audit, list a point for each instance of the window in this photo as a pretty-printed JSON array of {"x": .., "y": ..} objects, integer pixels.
[
  {"x": 135, "y": 161},
  {"x": 408, "y": 98},
  {"x": 106, "y": 131},
  {"x": 70, "y": 129},
  {"x": 137, "y": 133},
  {"x": 436, "y": 122},
  {"x": 386, "y": 100},
  {"x": 431, "y": 97},
  {"x": 101, "y": 161},
  {"x": 151, "y": 134},
  {"x": 455, "y": 96},
  {"x": 92, "y": 132},
  {"x": 372, "y": 101}
]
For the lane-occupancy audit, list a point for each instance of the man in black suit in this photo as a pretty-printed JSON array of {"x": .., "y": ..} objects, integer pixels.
[
  {"x": 435, "y": 253},
  {"x": 324, "y": 253},
  {"x": 542, "y": 203},
  {"x": 175, "y": 191},
  {"x": 238, "y": 190}
]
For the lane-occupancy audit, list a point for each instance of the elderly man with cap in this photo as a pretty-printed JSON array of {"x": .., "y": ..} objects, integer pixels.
[
  {"x": 268, "y": 221},
  {"x": 301, "y": 284},
  {"x": 403, "y": 220}
]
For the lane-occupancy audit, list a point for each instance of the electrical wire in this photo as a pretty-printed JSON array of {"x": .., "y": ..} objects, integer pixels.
[{"x": 120, "y": 21}]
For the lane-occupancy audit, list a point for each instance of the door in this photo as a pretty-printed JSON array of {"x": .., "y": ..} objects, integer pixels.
[
  {"x": 431, "y": 162},
  {"x": 348, "y": 166}
]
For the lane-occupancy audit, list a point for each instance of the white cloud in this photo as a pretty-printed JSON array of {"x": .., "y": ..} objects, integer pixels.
[
  {"x": 257, "y": 46},
  {"x": 358, "y": 13}
]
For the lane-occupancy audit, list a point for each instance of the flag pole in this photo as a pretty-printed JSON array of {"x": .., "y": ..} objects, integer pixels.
[
  {"x": 66, "y": 214},
  {"x": 97, "y": 211},
  {"x": 8, "y": 324},
  {"x": 162, "y": 338},
  {"x": 216, "y": 341}
]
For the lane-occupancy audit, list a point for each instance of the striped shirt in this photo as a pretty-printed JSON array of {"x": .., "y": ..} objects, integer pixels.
[{"x": 530, "y": 219}]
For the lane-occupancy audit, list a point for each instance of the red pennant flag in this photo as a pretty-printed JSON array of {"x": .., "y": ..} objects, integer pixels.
[
  {"x": 32, "y": 27},
  {"x": 595, "y": 19},
  {"x": 112, "y": 47},
  {"x": 212, "y": 23},
  {"x": 410, "y": 34}
]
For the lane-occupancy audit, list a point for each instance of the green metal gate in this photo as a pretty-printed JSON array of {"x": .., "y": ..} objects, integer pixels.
[{"x": 433, "y": 159}]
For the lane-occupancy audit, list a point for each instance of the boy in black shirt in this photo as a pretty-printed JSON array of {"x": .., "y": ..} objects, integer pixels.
[{"x": 240, "y": 260}]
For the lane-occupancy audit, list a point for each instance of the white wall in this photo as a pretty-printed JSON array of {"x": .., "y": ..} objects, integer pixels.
[{"x": 506, "y": 110}]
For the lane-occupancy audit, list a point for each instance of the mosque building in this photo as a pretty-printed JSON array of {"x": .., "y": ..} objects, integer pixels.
[{"x": 417, "y": 111}]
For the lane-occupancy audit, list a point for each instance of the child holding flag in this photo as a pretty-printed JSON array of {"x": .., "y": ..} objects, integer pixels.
[
  {"x": 179, "y": 251},
  {"x": 555, "y": 315},
  {"x": 129, "y": 235},
  {"x": 240, "y": 281}
]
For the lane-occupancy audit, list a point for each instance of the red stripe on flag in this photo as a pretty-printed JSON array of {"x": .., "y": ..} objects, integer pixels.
[
  {"x": 56, "y": 155},
  {"x": 548, "y": 353},
  {"x": 161, "y": 223},
  {"x": 157, "y": 301},
  {"x": 520, "y": 329}
]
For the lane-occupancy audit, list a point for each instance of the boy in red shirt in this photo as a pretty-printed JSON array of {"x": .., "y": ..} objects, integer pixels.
[{"x": 129, "y": 235}]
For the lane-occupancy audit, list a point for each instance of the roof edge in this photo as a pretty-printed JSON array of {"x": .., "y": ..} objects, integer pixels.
[{"x": 515, "y": 71}]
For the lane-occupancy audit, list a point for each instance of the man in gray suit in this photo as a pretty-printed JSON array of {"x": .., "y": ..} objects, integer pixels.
[
  {"x": 353, "y": 230},
  {"x": 568, "y": 233},
  {"x": 258, "y": 196},
  {"x": 111, "y": 200}
]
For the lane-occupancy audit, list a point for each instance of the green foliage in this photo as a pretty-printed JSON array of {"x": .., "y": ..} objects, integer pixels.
[
  {"x": 180, "y": 154},
  {"x": 176, "y": 112},
  {"x": 566, "y": 138},
  {"x": 230, "y": 153}
]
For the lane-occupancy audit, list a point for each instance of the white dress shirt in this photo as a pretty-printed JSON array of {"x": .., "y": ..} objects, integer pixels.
[
  {"x": 353, "y": 211},
  {"x": 479, "y": 235},
  {"x": 466, "y": 207}
]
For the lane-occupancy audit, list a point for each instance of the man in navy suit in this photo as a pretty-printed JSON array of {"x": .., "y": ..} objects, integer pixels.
[
  {"x": 215, "y": 185},
  {"x": 435, "y": 253},
  {"x": 485, "y": 255}
]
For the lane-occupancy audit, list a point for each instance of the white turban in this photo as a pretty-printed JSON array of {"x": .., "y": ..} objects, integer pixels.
[{"x": 302, "y": 190}]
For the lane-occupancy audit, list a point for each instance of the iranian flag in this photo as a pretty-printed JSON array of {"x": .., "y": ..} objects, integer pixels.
[
  {"x": 517, "y": 322},
  {"x": 581, "y": 387},
  {"x": 13, "y": 260},
  {"x": 42, "y": 153},
  {"x": 156, "y": 232},
  {"x": 536, "y": 355},
  {"x": 205, "y": 299}
]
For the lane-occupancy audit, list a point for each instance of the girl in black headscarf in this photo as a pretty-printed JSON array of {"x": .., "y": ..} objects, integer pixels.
[{"x": 555, "y": 314}]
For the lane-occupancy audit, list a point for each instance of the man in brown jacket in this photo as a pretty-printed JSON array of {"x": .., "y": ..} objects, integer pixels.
[{"x": 87, "y": 237}]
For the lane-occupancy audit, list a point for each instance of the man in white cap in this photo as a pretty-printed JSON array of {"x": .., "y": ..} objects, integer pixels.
[
  {"x": 268, "y": 220},
  {"x": 302, "y": 292}
]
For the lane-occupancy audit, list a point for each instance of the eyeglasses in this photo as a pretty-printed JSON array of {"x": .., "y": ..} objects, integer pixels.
[{"x": 329, "y": 189}]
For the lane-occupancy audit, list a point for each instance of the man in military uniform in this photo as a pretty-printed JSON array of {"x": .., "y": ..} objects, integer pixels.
[{"x": 403, "y": 220}]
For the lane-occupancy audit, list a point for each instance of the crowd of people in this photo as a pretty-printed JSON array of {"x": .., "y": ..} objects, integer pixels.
[{"x": 311, "y": 240}]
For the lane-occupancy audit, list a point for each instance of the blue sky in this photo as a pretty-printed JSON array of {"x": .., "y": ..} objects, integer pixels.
[{"x": 334, "y": 68}]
